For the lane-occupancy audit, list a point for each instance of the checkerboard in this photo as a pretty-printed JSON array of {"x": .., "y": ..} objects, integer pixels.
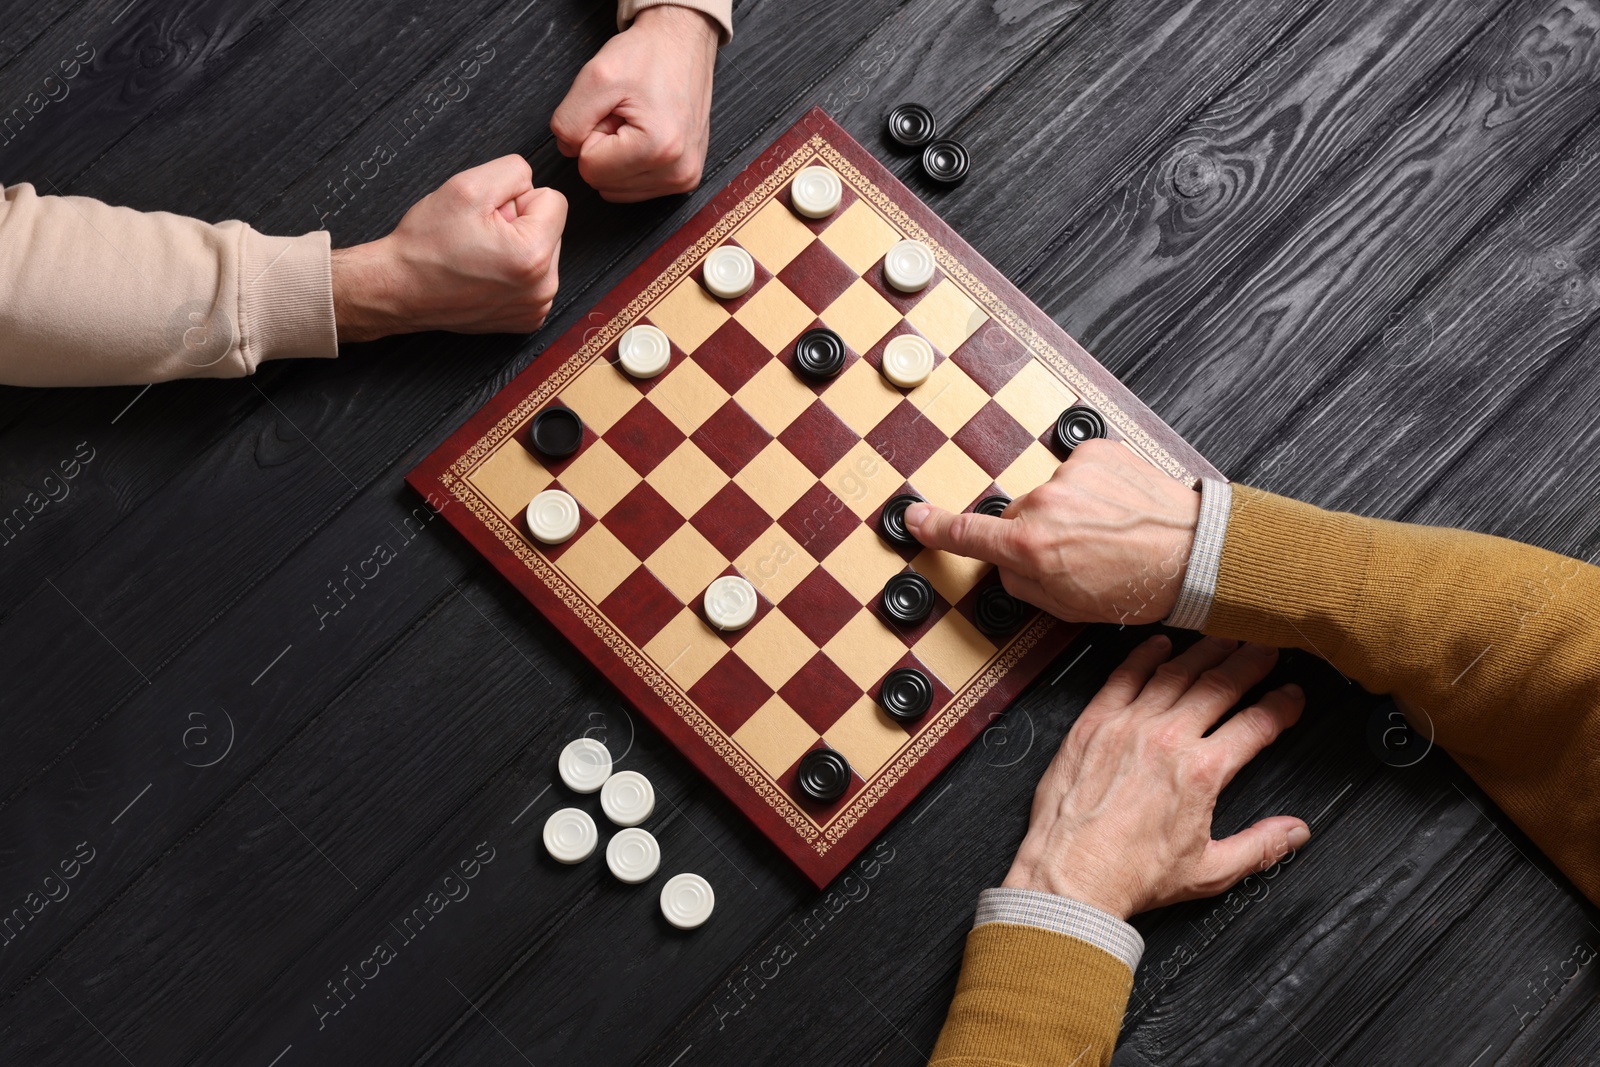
[{"x": 730, "y": 462}]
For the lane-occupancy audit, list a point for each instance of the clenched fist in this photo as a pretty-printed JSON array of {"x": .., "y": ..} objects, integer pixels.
[
  {"x": 638, "y": 116},
  {"x": 476, "y": 255}
]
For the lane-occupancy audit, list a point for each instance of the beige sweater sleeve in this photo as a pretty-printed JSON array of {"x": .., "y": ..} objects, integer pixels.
[
  {"x": 92, "y": 294},
  {"x": 719, "y": 11}
]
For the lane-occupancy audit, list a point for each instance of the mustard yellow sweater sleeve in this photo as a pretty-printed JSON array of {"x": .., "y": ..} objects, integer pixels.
[
  {"x": 1029, "y": 997},
  {"x": 1491, "y": 646},
  {"x": 92, "y": 294}
]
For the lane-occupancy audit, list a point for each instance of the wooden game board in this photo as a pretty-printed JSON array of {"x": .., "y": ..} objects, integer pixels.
[{"x": 730, "y": 463}]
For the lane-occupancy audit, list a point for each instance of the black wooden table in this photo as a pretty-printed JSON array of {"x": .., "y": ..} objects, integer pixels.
[{"x": 1351, "y": 250}]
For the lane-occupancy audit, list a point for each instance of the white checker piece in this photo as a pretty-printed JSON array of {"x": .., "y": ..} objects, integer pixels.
[
  {"x": 687, "y": 901},
  {"x": 633, "y": 855},
  {"x": 627, "y": 798},
  {"x": 585, "y": 764},
  {"x": 570, "y": 835}
]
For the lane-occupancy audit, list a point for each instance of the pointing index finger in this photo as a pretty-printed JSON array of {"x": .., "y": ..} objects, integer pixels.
[{"x": 984, "y": 537}]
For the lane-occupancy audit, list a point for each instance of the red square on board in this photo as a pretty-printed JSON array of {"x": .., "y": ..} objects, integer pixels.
[
  {"x": 819, "y": 606},
  {"x": 730, "y": 692},
  {"x": 731, "y": 520},
  {"x": 993, "y": 439},
  {"x": 991, "y": 357},
  {"x": 643, "y": 520},
  {"x": 817, "y": 276},
  {"x": 731, "y": 438},
  {"x": 820, "y": 693},
  {"x": 818, "y": 521},
  {"x": 818, "y": 438},
  {"x": 731, "y": 356},
  {"x": 644, "y": 437},
  {"x": 905, "y": 437},
  {"x": 641, "y": 605}
]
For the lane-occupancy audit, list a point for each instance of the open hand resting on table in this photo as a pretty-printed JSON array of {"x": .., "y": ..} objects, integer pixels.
[
  {"x": 638, "y": 115},
  {"x": 1122, "y": 817},
  {"x": 476, "y": 255},
  {"x": 1106, "y": 539}
]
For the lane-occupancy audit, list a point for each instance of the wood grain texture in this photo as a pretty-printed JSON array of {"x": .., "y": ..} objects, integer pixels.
[{"x": 1360, "y": 173}]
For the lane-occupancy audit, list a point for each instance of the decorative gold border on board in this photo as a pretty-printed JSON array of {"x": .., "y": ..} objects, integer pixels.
[{"x": 822, "y": 837}]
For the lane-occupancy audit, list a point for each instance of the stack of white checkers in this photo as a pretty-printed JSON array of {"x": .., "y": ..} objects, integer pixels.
[{"x": 632, "y": 854}]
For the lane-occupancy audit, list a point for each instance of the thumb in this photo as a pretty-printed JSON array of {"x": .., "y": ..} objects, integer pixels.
[
  {"x": 982, "y": 537},
  {"x": 585, "y": 108},
  {"x": 1252, "y": 849},
  {"x": 541, "y": 213}
]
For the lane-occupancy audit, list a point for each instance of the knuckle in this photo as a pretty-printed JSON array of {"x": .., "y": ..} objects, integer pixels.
[
  {"x": 667, "y": 150},
  {"x": 1171, "y": 673},
  {"x": 1216, "y": 684}
]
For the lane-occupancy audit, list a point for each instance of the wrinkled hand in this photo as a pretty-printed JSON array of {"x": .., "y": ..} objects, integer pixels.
[
  {"x": 1106, "y": 539},
  {"x": 1122, "y": 818},
  {"x": 476, "y": 255},
  {"x": 638, "y": 116}
]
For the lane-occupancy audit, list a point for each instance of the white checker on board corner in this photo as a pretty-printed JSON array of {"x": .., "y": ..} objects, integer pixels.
[
  {"x": 908, "y": 360},
  {"x": 687, "y": 900},
  {"x": 553, "y": 516},
  {"x": 633, "y": 855},
  {"x": 644, "y": 350},
  {"x": 729, "y": 272},
  {"x": 816, "y": 192},
  {"x": 730, "y": 602},
  {"x": 627, "y": 798},
  {"x": 585, "y": 764},
  {"x": 570, "y": 835},
  {"x": 908, "y": 266}
]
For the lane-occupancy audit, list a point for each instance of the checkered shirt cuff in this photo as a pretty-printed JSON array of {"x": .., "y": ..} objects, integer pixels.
[
  {"x": 1062, "y": 915},
  {"x": 1200, "y": 582}
]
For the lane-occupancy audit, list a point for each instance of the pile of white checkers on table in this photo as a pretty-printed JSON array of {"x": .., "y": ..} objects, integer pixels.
[{"x": 632, "y": 854}]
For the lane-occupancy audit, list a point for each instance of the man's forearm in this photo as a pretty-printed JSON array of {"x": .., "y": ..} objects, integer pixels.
[
  {"x": 1491, "y": 646},
  {"x": 97, "y": 295}
]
